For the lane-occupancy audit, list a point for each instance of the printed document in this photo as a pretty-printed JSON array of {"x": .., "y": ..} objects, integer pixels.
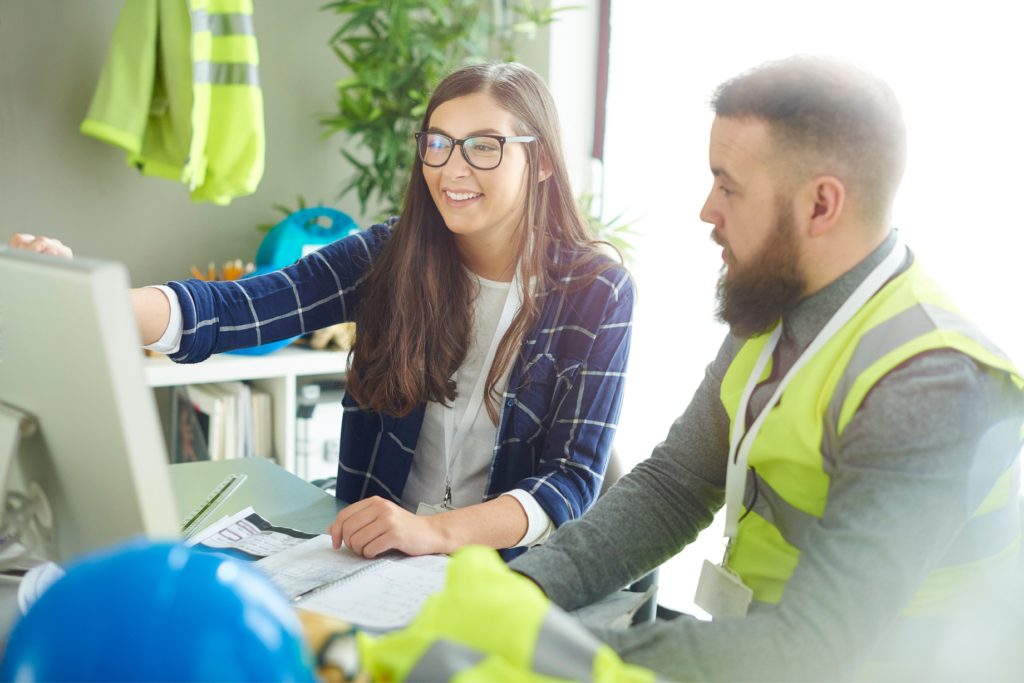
[
  {"x": 380, "y": 594},
  {"x": 248, "y": 536}
]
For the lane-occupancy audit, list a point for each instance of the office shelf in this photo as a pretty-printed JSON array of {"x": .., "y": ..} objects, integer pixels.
[{"x": 278, "y": 373}]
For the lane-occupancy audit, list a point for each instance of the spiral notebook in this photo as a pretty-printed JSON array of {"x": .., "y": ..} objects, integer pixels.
[{"x": 380, "y": 594}]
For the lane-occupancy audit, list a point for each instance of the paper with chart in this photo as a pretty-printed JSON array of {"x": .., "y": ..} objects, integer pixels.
[
  {"x": 249, "y": 533},
  {"x": 382, "y": 594}
]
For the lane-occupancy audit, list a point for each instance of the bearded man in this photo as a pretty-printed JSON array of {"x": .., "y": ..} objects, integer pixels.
[{"x": 862, "y": 432}]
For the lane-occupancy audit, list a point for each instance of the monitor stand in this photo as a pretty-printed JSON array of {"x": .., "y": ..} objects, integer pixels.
[{"x": 20, "y": 510}]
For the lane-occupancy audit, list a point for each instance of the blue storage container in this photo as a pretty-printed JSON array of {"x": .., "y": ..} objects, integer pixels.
[{"x": 296, "y": 236}]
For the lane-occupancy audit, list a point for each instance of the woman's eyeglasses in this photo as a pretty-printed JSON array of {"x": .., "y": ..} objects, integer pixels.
[{"x": 480, "y": 151}]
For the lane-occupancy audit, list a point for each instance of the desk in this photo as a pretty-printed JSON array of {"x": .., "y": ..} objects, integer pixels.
[{"x": 276, "y": 494}]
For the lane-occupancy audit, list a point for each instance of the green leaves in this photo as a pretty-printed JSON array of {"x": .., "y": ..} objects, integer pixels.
[
  {"x": 397, "y": 51},
  {"x": 609, "y": 231},
  {"x": 284, "y": 210}
]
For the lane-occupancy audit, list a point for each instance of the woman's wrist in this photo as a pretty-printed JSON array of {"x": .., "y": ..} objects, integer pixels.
[
  {"x": 444, "y": 532},
  {"x": 498, "y": 523}
]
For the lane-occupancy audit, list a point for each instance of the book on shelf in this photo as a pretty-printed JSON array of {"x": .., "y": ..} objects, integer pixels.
[{"x": 236, "y": 419}]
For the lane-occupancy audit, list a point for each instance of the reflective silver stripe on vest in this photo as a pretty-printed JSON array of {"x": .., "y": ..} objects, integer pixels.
[
  {"x": 565, "y": 649},
  {"x": 200, "y": 22},
  {"x": 980, "y": 538},
  {"x": 793, "y": 523},
  {"x": 442, "y": 661},
  {"x": 888, "y": 336},
  {"x": 231, "y": 25},
  {"x": 222, "y": 24},
  {"x": 226, "y": 73}
]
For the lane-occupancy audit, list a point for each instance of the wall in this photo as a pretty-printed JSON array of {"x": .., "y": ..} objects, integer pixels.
[
  {"x": 572, "y": 76},
  {"x": 56, "y": 181}
]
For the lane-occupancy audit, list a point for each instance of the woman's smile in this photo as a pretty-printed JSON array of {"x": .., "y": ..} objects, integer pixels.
[{"x": 460, "y": 198}]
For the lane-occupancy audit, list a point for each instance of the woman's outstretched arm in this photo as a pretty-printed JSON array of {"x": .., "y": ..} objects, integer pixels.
[{"x": 152, "y": 310}]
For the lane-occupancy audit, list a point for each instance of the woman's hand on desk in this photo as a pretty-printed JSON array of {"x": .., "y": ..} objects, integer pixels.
[
  {"x": 374, "y": 525},
  {"x": 42, "y": 245}
]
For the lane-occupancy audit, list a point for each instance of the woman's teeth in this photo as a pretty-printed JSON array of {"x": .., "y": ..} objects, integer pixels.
[{"x": 462, "y": 196}]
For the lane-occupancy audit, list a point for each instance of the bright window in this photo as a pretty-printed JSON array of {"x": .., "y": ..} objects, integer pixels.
[{"x": 955, "y": 67}]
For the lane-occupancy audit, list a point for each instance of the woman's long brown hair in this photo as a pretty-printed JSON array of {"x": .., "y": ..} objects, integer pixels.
[{"x": 415, "y": 316}]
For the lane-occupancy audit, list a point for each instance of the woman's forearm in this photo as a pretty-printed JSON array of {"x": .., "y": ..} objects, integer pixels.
[
  {"x": 498, "y": 523},
  {"x": 152, "y": 313}
]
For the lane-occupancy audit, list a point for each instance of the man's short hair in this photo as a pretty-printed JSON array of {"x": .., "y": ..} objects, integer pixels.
[{"x": 827, "y": 116}]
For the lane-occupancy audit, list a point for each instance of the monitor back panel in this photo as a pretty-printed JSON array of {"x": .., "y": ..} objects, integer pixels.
[{"x": 69, "y": 355}]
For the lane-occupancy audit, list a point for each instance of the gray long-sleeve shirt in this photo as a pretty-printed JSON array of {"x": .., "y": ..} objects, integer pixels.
[{"x": 903, "y": 482}]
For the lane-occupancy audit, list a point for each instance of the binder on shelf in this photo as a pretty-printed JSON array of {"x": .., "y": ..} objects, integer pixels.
[
  {"x": 210, "y": 406},
  {"x": 263, "y": 421},
  {"x": 186, "y": 440}
]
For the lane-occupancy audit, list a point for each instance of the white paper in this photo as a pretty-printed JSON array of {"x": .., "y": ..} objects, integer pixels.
[
  {"x": 218, "y": 526},
  {"x": 312, "y": 564},
  {"x": 428, "y": 563},
  {"x": 381, "y": 594},
  {"x": 384, "y": 599},
  {"x": 249, "y": 533}
]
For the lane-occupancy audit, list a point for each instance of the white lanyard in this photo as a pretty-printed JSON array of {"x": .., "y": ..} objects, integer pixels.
[
  {"x": 740, "y": 445},
  {"x": 453, "y": 440}
]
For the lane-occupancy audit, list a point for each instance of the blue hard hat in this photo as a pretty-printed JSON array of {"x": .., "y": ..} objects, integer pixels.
[{"x": 158, "y": 612}]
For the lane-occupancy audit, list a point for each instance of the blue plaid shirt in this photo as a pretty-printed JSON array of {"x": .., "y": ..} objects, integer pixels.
[{"x": 559, "y": 411}]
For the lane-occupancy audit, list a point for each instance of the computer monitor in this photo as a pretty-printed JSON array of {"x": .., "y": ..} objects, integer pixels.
[{"x": 70, "y": 359}]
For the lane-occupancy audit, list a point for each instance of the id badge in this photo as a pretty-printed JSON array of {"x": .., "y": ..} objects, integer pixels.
[
  {"x": 427, "y": 510},
  {"x": 721, "y": 593}
]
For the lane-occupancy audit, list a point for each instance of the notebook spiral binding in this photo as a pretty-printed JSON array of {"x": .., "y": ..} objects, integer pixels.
[{"x": 345, "y": 579}]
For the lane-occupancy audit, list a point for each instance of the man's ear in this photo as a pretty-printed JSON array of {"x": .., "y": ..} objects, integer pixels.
[
  {"x": 546, "y": 168},
  {"x": 822, "y": 201}
]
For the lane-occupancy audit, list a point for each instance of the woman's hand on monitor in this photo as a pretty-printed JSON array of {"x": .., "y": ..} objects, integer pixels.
[{"x": 41, "y": 245}]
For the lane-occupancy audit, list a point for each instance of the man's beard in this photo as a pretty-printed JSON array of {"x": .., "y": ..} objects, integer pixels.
[{"x": 752, "y": 299}]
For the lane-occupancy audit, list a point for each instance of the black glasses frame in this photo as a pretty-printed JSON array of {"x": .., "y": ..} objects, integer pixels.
[{"x": 459, "y": 143}]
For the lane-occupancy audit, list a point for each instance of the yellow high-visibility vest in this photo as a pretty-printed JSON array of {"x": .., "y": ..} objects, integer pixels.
[
  {"x": 908, "y": 316},
  {"x": 180, "y": 92},
  {"x": 491, "y": 625}
]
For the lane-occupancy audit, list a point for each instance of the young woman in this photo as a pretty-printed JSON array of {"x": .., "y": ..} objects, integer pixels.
[{"x": 492, "y": 333}]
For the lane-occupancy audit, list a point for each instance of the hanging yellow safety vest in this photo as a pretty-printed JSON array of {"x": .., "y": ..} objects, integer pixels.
[{"x": 180, "y": 92}]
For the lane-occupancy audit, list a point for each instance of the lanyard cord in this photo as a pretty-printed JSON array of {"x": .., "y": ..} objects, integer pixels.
[
  {"x": 453, "y": 440},
  {"x": 741, "y": 441}
]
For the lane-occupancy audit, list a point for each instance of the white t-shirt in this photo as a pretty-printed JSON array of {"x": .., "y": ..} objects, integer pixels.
[
  {"x": 470, "y": 470},
  {"x": 472, "y": 466}
]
